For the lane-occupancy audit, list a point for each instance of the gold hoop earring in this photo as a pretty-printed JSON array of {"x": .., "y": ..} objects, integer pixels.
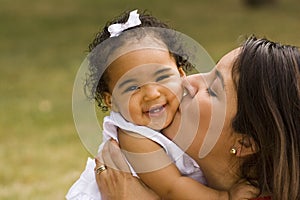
[{"x": 233, "y": 151}]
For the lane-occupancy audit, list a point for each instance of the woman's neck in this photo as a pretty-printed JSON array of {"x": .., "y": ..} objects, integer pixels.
[{"x": 221, "y": 174}]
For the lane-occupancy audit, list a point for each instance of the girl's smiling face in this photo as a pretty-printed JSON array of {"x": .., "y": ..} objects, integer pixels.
[{"x": 145, "y": 87}]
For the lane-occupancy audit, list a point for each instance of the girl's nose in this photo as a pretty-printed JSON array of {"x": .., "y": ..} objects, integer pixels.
[{"x": 150, "y": 92}]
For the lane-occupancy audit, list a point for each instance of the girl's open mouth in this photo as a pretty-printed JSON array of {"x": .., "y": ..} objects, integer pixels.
[{"x": 156, "y": 111}]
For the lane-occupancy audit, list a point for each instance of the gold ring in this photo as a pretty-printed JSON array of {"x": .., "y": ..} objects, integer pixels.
[{"x": 100, "y": 169}]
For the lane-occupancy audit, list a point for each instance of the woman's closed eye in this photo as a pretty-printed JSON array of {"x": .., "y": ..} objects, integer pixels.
[
  {"x": 211, "y": 92},
  {"x": 216, "y": 87},
  {"x": 213, "y": 88}
]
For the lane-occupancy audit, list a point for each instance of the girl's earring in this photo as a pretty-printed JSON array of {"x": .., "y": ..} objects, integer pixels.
[{"x": 233, "y": 151}]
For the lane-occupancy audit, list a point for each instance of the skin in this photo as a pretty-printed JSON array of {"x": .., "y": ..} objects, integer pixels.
[
  {"x": 223, "y": 95},
  {"x": 209, "y": 94},
  {"x": 110, "y": 179},
  {"x": 116, "y": 182},
  {"x": 145, "y": 87}
]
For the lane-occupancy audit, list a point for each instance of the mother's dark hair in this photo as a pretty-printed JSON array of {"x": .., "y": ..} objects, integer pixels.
[{"x": 267, "y": 80}]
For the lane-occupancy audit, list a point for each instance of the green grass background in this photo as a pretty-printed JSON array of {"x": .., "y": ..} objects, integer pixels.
[{"x": 42, "y": 44}]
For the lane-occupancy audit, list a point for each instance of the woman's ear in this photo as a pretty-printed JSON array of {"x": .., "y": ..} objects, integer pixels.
[{"x": 245, "y": 146}]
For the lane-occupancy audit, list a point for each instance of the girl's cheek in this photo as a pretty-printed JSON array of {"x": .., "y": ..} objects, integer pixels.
[{"x": 175, "y": 88}]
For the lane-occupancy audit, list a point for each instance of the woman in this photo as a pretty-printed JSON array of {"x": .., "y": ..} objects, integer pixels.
[{"x": 259, "y": 87}]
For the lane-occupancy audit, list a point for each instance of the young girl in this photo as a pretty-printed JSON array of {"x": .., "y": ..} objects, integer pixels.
[{"x": 135, "y": 73}]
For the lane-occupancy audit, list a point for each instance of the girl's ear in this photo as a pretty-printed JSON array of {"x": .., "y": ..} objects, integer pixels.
[
  {"x": 107, "y": 97},
  {"x": 245, "y": 146},
  {"x": 181, "y": 71}
]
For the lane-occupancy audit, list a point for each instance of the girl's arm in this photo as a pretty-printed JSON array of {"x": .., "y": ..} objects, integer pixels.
[{"x": 156, "y": 170}]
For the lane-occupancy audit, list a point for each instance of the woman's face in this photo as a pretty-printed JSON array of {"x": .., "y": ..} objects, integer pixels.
[{"x": 203, "y": 124}]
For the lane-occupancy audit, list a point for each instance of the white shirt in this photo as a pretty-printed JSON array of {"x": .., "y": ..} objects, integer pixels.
[{"x": 86, "y": 187}]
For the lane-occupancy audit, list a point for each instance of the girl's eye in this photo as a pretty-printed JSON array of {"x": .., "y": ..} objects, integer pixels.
[
  {"x": 211, "y": 92},
  {"x": 132, "y": 88},
  {"x": 162, "y": 77}
]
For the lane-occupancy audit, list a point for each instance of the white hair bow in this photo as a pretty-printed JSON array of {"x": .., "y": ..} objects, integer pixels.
[{"x": 133, "y": 20}]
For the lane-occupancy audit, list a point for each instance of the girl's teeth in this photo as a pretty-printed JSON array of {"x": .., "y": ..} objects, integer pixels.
[{"x": 155, "y": 110}]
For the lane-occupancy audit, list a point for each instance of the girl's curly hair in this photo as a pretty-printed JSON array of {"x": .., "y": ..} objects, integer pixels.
[{"x": 101, "y": 48}]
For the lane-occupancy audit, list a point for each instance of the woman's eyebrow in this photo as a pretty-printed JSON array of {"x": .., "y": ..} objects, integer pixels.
[{"x": 219, "y": 75}]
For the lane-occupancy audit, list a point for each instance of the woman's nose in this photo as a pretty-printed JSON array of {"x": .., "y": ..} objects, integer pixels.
[
  {"x": 195, "y": 83},
  {"x": 150, "y": 91},
  {"x": 205, "y": 79}
]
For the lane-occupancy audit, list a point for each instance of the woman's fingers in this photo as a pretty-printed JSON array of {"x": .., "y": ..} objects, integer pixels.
[
  {"x": 243, "y": 189},
  {"x": 112, "y": 181},
  {"x": 105, "y": 178},
  {"x": 115, "y": 182},
  {"x": 99, "y": 163},
  {"x": 115, "y": 163},
  {"x": 100, "y": 166},
  {"x": 117, "y": 156},
  {"x": 113, "y": 157},
  {"x": 107, "y": 157}
]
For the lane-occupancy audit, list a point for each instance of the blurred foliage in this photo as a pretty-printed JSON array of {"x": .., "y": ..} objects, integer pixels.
[{"x": 42, "y": 45}]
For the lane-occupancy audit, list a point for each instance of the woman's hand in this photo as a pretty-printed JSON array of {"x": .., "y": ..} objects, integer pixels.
[
  {"x": 116, "y": 181},
  {"x": 243, "y": 189}
]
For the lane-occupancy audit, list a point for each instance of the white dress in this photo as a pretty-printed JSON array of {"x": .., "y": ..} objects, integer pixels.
[{"x": 85, "y": 188}]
